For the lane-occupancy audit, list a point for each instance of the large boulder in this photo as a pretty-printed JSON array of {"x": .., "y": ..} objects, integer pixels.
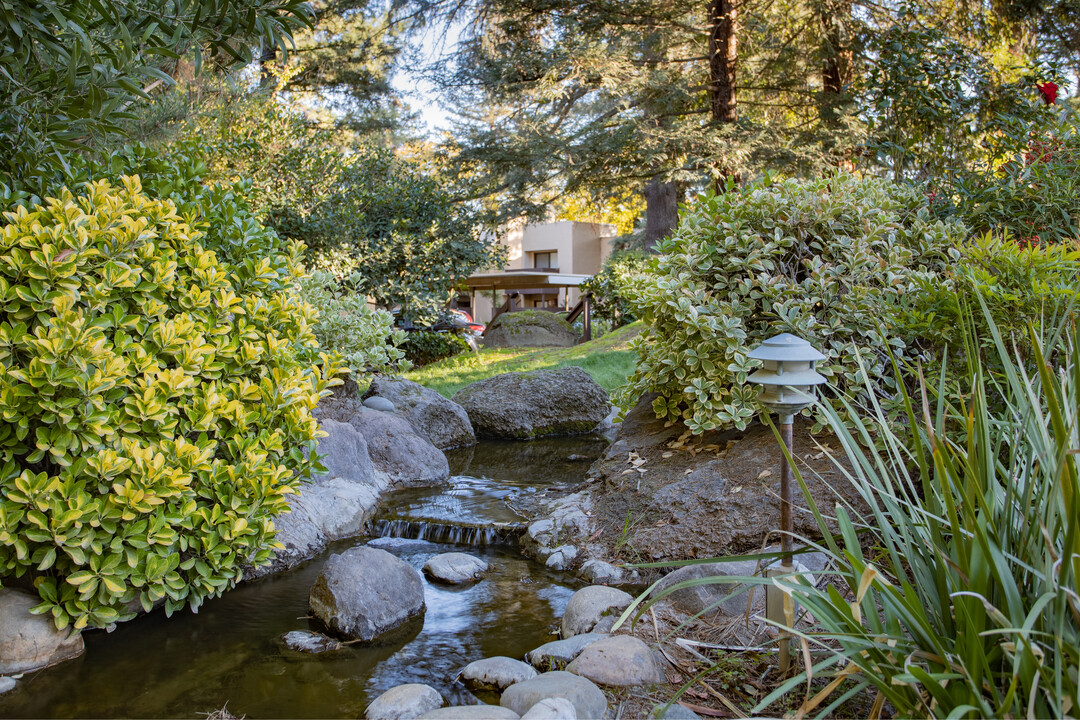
[
  {"x": 335, "y": 505},
  {"x": 521, "y": 406},
  {"x": 397, "y": 450},
  {"x": 529, "y": 328},
  {"x": 404, "y": 702},
  {"x": 620, "y": 661},
  {"x": 589, "y": 701},
  {"x": 367, "y": 594},
  {"x": 443, "y": 422},
  {"x": 470, "y": 712},
  {"x": 31, "y": 642},
  {"x": 593, "y": 609}
]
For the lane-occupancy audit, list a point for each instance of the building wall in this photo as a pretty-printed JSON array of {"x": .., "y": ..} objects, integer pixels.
[{"x": 582, "y": 248}]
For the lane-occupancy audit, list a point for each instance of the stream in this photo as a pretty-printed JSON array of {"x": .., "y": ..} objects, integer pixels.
[{"x": 230, "y": 653}]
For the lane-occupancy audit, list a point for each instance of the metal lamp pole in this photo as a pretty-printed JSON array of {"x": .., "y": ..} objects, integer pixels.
[{"x": 788, "y": 381}]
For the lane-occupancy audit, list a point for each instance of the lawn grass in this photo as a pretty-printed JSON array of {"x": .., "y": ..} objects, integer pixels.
[{"x": 607, "y": 359}]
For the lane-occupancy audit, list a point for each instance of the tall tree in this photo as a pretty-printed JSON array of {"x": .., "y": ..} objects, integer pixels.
[{"x": 660, "y": 96}]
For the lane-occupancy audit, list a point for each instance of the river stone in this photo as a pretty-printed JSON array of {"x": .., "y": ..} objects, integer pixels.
[
  {"x": 6, "y": 684},
  {"x": 593, "y": 609},
  {"x": 675, "y": 712},
  {"x": 366, "y": 594},
  {"x": 455, "y": 568},
  {"x": 726, "y": 598},
  {"x": 309, "y": 642},
  {"x": 470, "y": 712},
  {"x": 552, "y": 709},
  {"x": 31, "y": 642},
  {"x": 380, "y": 404},
  {"x": 496, "y": 673},
  {"x": 335, "y": 505},
  {"x": 520, "y": 406},
  {"x": 404, "y": 702},
  {"x": 589, "y": 702},
  {"x": 443, "y": 422},
  {"x": 561, "y": 557},
  {"x": 529, "y": 328},
  {"x": 557, "y": 654},
  {"x": 397, "y": 450},
  {"x": 620, "y": 660}
]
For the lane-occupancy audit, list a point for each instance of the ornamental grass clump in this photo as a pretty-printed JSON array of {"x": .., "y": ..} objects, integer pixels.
[
  {"x": 956, "y": 592},
  {"x": 826, "y": 260},
  {"x": 156, "y": 403}
]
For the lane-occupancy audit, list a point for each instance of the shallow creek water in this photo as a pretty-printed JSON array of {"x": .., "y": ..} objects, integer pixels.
[{"x": 230, "y": 652}]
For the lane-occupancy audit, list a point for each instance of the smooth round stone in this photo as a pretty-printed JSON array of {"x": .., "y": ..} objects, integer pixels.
[
  {"x": 455, "y": 568},
  {"x": 552, "y": 709},
  {"x": 380, "y": 404},
  {"x": 675, "y": 712},
  {"x": 557, "y": 654},
  {"x": 470, "y": 712},
  {"x": 497, "y": 673},
  {"x": 588, "y": 700},
  {"x": 405, "y": 702},
  {"x": 7, "y": 683},
  {"x": 31, "y": 642},
  {"x": 309, "y": 642},
  {"x": 620, "y": 660},
  {"x": 593, "y": 609}
]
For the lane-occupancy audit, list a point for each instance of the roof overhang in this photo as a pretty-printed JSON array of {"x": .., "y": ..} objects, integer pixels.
[{"x": 523, "y": 280}]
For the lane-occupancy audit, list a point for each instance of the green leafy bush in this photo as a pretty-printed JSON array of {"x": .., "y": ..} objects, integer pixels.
[
  {"x": 609, "y": 286},
  {"x": 156, "y": 402},
  {"x": 1034, "y": 197},
  {"x": 825, "y": 260},
  {"x": 422, "y": 347},
  {"x": 1020, "y": 285},
  {"x": 365, "y": 339}
]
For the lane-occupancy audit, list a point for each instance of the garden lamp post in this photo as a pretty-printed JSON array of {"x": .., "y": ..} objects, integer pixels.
[{"x": 788, "y": 379}]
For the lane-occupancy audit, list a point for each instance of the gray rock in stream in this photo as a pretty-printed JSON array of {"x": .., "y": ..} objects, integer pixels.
[
  {"x": 31, "y": 642},
  {"x": 557, "y": 654},
  {"x": 496, "y": 673},
  {"x": 521, "y": 406},
  {"x": 455, "y": 568},
  {"x": 552, "y": 709},
  {"x": 7, "y": 683},
  {"x": 309, "y": 642},
  {"x": 620, "y": 660},
  {"x": 405, "y": 702},
  {"x": 367, "y": 594},
  {"x": 593, "y": 609},
  {"x": 407, "y": 458},
  {"x": 443, "y": 422},
  {"x": 588, "y": 700},
  {"x": 470, "y": 712}
]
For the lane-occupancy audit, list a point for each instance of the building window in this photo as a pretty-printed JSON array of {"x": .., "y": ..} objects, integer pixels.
[{"x": 549, "y": 259}]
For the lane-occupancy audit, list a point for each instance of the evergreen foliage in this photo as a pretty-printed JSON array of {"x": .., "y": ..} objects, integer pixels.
[{"x": 156, "y": 403}]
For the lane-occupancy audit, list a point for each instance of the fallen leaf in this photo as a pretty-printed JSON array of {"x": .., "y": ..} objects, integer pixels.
[
  {"x": 764, "y": 474},
  {"x": 667, "y": 454},
  {"x": 688, "y": 471},
  {"x": 737, "y": 488}
]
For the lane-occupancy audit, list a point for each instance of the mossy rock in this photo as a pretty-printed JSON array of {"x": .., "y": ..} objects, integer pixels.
[{"x": 530, "y": 328}]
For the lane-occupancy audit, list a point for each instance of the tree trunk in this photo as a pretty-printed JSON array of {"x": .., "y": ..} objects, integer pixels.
[
  {"x": 723, "y": 63},
  {"x": 723, "y": 60},
  {"x": 661, "y": 211},
  {"x": 836, "y": 63}
]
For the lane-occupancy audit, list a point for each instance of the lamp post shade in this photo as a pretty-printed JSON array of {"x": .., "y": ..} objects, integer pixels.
[{"x": 787, "y": 375}]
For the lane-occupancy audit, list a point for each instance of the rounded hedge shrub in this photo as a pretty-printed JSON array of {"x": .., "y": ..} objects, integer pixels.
[
  {"x": 825, "y": 260},
  {"x": 156, "y": 403},
  {"x": 423, "y": 347}
]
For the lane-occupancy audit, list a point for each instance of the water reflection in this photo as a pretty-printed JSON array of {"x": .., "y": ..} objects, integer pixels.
[{"x": 231, "y": 651}]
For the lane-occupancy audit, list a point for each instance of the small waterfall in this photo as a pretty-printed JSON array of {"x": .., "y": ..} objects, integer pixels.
[{"x": 474, "y": 535}]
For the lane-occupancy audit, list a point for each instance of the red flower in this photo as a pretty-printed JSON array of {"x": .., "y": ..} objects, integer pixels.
[{"x": 1049, "y": 91}]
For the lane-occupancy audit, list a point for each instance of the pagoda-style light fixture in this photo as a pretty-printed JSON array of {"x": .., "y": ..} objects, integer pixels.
[{"x": 788, "y": 381}]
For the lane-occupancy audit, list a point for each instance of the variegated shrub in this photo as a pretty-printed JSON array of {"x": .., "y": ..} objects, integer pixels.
[
  {"x": 826, "y": 260},
  {"x": 156, "y": 403}
]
